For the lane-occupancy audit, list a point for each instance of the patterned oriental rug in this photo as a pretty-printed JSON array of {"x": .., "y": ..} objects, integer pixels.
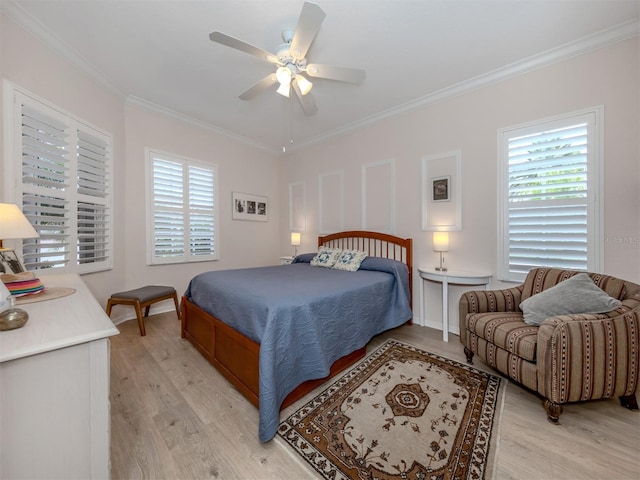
[{"x": 402, "y": 413}]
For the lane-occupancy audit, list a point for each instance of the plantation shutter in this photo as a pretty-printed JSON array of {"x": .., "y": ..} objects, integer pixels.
[
  {"x": 63, "y": 180},
  {"x": 168, "y": 210},
  {"x": 93, "y": 185},
  {"x": 201, "y": 219},
  {"x": 549, "y": 206},
  {"x": 45, "y": 187},
  {"x": 182, "y": 210}
]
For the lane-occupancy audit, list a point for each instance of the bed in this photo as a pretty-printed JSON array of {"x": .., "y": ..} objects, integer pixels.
[{"x": 278, "y": 332}]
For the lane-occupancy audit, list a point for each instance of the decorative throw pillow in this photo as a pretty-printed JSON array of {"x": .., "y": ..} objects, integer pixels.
[
  {"x": 326, "y": 257},
  {"x": 350, "y": 260},
  {"x": 577, "y": 294}
]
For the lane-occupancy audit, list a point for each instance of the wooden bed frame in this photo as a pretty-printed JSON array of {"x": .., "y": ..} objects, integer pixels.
[{"x": 237, "y": 356}]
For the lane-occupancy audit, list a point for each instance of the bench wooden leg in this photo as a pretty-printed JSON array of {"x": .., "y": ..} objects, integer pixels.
[
  {"x": 175, "y": 301},
  {"x": 140, "y": 319}
]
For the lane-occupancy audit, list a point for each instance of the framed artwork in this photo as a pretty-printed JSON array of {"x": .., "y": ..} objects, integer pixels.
[
  {"x": 9, "y": 262},
  {"x": 250, "y": 207},
  {"x": 440, "y": 189},
  {"x": 442, "y": 192}
]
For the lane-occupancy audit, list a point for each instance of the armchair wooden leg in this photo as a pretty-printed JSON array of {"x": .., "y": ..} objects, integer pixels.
[
  {"x": 554, "y": 410},
  {"x": 469, "y": 354},
  {"x": 629, "y": 401}
]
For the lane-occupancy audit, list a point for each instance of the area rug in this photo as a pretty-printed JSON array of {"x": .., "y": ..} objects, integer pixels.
[{"x": 402, "y": 413}]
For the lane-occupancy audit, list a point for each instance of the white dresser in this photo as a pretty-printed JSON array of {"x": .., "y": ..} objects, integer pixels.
[{"x": 54, "y": 388}]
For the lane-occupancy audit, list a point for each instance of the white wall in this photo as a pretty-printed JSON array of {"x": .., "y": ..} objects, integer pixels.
[{"x": 608, "y": 76}]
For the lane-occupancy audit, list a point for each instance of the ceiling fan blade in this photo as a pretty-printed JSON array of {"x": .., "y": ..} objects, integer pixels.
[
  {"x": 307, "y": 102},
  {"x": 341, "y": 74},
  {"x": 308, "y": 26},
  {"x": 259, "y": 87},
  {"x": 245, "y": 47}
]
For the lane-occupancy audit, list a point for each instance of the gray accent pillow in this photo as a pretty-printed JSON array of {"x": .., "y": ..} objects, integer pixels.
[{"x": 577, "y": 294}]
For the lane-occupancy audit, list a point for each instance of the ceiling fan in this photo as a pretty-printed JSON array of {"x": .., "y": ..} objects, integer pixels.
[{"x": 291, "y": 61}]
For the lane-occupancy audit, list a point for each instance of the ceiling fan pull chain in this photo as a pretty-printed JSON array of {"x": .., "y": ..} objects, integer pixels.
[{"x": 291, "y": 121}]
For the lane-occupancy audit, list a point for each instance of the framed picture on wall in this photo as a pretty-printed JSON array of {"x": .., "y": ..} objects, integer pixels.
[
  {"x": 440, "y": 189},
  {"x": 250, "y": 207}
]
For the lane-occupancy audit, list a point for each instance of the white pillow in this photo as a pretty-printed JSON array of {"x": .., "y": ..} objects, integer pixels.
[
  {"x": 577, "y": 294},
  {"x": 326, "y": 257},
  {"x": 349, "y": 260}
]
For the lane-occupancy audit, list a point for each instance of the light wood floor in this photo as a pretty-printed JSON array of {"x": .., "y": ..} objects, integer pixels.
[{"x": 173, "y": 416}]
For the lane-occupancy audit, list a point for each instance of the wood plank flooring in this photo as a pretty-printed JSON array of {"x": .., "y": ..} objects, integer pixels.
[{"x": 173, "y": 416}]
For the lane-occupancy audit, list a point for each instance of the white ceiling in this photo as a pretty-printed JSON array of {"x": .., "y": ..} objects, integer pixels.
[{"x": 157, "y": 53}]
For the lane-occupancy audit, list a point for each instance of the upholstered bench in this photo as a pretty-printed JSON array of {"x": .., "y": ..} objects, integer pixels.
[{"x": 143, "y": 297}]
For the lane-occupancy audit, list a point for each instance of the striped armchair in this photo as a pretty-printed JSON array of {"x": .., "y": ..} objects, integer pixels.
[{"x": 568, "y": 358}]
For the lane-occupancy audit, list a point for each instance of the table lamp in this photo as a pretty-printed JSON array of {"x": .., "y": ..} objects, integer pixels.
[
  {"x": 13, "y": 225},
  {"x": 441, "y": 244},
  {"x": 295, "y": 243}
]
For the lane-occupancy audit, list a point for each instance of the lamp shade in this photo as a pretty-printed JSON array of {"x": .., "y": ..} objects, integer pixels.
[
  {"x": 304, "y": 84},
  {"x": 284, "y": 89},
  {"x": 295, "y": 239},
  {"x": 440, "y": 241},
  {"x": 13, "y": 223}
]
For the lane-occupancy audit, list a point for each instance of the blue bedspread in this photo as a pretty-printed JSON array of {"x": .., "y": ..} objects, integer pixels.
[{"x": 304, "y": 317}]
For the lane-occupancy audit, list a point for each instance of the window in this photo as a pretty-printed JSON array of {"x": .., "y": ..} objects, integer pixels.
[
  {"x": 62, "y": 174},
  {"x": 550, "y": 179},
  {"x": 181, "y": 208}
]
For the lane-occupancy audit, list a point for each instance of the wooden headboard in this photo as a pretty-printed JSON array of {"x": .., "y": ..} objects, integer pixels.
[{"x": 376, "y": 245}]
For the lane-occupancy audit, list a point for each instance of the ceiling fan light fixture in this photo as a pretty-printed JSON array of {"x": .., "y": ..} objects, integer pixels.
[
  {"x": 304, "y": 84},
  {"x": 284, "y": 89},
  {"x": 284, "y": 74}
]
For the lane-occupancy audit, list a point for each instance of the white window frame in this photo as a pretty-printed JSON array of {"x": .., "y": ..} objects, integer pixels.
[
  {"x": 188, "y": 210},
  {"x": 594, "y": 119},
  {"x": 35, "y": 251}
]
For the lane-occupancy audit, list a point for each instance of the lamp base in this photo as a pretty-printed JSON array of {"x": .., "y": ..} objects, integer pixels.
[
  {"x": 441, "y": 268},
  {"x": 13, "y": 318}
]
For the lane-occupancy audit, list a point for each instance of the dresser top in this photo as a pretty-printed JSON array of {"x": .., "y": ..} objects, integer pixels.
[{"x": 57, "y": 323}]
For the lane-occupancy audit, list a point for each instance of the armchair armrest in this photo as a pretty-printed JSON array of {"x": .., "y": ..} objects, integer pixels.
[
  {"x": 589, "y": 356},
  {"x": 484, "y": 301}
]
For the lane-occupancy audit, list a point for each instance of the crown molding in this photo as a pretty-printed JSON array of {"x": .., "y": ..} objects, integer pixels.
[
  {"x": 589, "y": 43},
  {"x": 153, "y": 107},
  {"x": 23, "y": 18},
  {"x": 584, "y": 45}
]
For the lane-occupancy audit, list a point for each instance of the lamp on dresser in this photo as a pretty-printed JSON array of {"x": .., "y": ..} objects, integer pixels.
[{"x": 13, "y": 225}]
